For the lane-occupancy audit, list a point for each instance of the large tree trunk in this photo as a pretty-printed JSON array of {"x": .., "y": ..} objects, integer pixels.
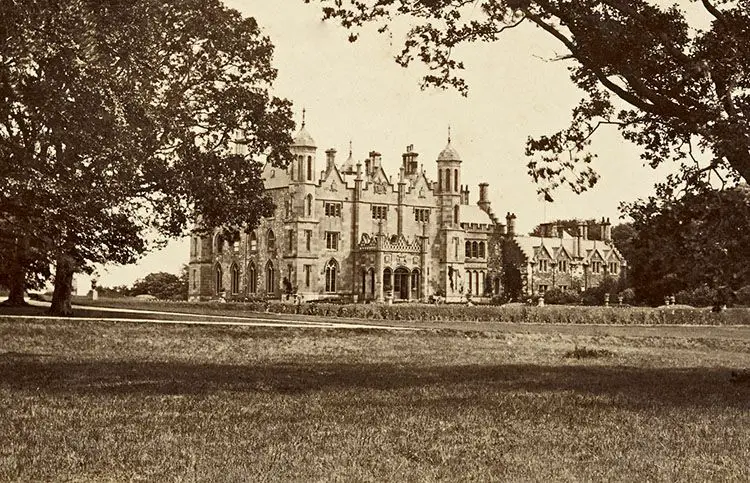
[
  {"x": 61, "y": 297},
  {"x": 17, "y": 276}
]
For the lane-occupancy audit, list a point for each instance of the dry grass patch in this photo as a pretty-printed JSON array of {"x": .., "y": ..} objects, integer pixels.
[{"x": 92, "y": 401}]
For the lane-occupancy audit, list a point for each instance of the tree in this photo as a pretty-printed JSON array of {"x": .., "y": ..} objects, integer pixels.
[
  {"x": 22, "y": 266},
  {"x": 623, "y": 236},
  {"x": 117, "y": 120},
  {"x": 672, "y": 87},
  {"x": 162, "y": 285},
  {"x": 682, "y": 244}
]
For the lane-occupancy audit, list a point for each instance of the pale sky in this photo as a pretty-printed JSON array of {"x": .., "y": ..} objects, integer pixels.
[{"x": 355, "y": 91}]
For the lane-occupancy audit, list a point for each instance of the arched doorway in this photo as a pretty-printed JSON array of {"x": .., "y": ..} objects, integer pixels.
[
  {"x": 332, "y": 268},
  {"x": 401, "y": 284},
  {"x": 270, "y": 279},
  {"x": 387, "y": 280},
  {"x": 416, "y": 284}
]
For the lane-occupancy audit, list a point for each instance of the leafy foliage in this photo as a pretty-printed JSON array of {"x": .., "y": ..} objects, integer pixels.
[
  {"x": 558, "y": 296},
  {"x": 622, "y": 236},
  {"x": 680, "y": 92},
  {"x": 162, "y": 285},
  {"x": 682, "y": 244},
  {"x": 117, "y": 121}
]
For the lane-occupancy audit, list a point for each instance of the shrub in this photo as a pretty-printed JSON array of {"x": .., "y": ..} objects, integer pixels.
[
  {"x": 454, "y": 312},
  {"x": 628, "y": 296},
  {"x": 558, "y": 296},
  {"x": 702, "y": 296},
  {"x": 742, "y": 296}
]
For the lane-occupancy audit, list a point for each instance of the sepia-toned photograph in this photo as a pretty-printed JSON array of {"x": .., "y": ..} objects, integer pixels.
[{"x": 374, "y": 240}]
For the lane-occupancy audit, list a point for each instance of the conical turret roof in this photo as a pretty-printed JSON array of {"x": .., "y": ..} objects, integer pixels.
[
  {"x": 303, "y": 138},
  {"x": 449, "y": 154}
]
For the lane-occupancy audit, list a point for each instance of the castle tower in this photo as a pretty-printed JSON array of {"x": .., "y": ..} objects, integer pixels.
[
  {"x": 451, "y": 235},
  {"x": 303, "y": 148},
  {"x": 304, "y": 179}
]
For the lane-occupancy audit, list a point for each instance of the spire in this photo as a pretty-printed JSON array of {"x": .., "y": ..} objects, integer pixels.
[
  {"x": 449, "y": 131},
  {"x": 303, "y": 119},
  {"x": 350, "y": 148}
]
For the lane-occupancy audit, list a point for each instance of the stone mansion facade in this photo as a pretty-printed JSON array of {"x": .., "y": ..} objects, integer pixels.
[{"x": 350, "y": 230}]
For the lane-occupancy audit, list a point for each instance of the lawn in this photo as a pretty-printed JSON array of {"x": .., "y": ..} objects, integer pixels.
[{"x": 121, "y": 401}]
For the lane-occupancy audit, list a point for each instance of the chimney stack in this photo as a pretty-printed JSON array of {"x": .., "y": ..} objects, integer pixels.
[
  {"x": 484, "y": 202},
  {"x": 409, "y": 158},
  {"x": 330, "y": 159},
  {"x": 581, "y": 236},
  {"x": 510, "y": 221},
  {"x": 606, "y": 230},
  {"x": 375, "y": 163}
]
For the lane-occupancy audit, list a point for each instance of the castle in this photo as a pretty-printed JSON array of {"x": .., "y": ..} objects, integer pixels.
[{"x": 350, "y": 230}]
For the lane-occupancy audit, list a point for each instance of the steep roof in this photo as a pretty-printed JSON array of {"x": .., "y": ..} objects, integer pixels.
[
  {"x": 303, "y": 138},
  {"x": 474, "y": 214},
  {"x": 530, "y": 246},
  {"x": 449, "y": 154}
]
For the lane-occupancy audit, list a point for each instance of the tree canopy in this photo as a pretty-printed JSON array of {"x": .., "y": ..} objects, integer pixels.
[
  {"x": 162, "y": 285},
  {"x": 677, "y": 83},
  {"x": 118, "y": 120},
  {"x": 682, "y": 244}
]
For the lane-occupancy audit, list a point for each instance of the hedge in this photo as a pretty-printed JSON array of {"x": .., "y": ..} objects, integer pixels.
[{"x": 454, "y": 312}]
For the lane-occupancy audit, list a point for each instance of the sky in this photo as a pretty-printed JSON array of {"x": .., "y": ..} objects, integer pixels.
[{"x": 356, "y": 92}]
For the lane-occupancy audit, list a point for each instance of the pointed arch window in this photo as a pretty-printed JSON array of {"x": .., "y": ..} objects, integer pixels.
[
  {"x": 309, "y": 168},
  {"x": 455, "y": 180},
  {"x": 219, "y": 243},
  {"x": 332, "y": 268},
  {"x": 271, "y": 240},
  {"x": 447, "y": 180},
  {"x": 270, "y": 278},
  {"x": 308, "y": 205},
  {"x": 468, "y": 249},
  {"x": 474, "y": 250},
  {"x": 253, "y": 242},
  {"x": 481, "y": 250},
  {"x": 234, "y": 284},
  {"x": 252, "y": 279},
  {"x": 455, "y": 215},
  {"x": 218, "y": 279},
  {"x": 440, "y": 181}
]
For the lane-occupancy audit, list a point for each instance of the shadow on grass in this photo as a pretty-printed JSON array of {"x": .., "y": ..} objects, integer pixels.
[{"x": 694, "y": 387}]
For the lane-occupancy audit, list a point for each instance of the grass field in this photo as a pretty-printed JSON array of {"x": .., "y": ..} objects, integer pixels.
[{"x": 122, "y": 401}]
